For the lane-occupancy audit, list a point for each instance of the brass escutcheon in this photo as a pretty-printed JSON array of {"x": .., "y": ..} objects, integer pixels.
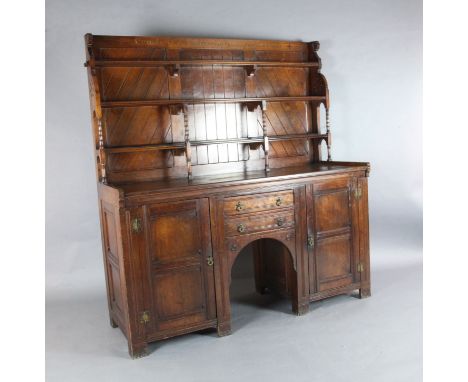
[{"x": 280, "y": 222}]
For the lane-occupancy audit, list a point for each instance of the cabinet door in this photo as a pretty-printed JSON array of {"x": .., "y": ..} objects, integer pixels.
[
  {"x": 181, "y": 268},
  {"x": 333, "y": 239}
]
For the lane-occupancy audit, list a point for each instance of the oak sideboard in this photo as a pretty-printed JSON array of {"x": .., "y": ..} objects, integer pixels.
[{"x": 204, "y": 147}]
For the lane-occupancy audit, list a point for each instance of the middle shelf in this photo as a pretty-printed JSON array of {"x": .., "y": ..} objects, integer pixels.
[
  {"x": 181, "y": 145},
  {"x": 181, "y": 101}
]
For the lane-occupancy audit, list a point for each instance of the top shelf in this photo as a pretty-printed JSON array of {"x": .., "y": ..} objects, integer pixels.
[
  {"x": 158, "y": 102},
  {"x": 151, "y": 63}
]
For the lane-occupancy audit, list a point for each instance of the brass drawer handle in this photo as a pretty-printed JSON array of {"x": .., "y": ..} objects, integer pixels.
[
  {"x": 210, "y": 261},
  {"x": 280, "y": 222},
  {"x": 279, "y": 201},
  {"x": 241, "y": 228},
  {"x": 239, "y": 206}
]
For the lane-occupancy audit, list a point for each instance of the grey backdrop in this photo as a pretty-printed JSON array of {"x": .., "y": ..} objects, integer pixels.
[{"x": 371, "y": 52}]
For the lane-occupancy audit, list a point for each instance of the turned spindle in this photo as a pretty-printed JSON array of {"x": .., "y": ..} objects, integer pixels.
[
  {"x": 188, "y": 148},
  {"x": 266, "y": 145},
  {"x": 327, "y": 124},
  {"x": 102, "y": 154}
]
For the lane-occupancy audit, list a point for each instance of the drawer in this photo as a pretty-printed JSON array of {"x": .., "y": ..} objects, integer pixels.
[
  {"x": 252, "y": 223},
  {"x": 237, "y": 205}
]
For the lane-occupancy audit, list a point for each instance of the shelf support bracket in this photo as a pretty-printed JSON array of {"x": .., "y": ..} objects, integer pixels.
[
  {"x": 250, "y": 70},
  {"x": 252, "y": 106},
  {"x": 173, "y": 70},
  {"x": 176, "y": 109}
]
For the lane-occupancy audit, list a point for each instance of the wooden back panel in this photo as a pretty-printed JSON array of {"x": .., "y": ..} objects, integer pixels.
[{"x": 129, "y": 69}]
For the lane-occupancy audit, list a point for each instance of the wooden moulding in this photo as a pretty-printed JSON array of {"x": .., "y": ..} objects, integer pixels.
[
  {"x": 179, "y": 63},
  {"x": 123, "y": 42}
]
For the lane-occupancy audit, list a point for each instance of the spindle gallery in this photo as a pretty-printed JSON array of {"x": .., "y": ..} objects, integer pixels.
[{"x": 205, "y": 146}]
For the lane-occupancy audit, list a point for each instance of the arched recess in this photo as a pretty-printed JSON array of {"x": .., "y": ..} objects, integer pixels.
[
  {"x": 274, "y": 263},
  {"x": 295, "y": 288},
  {"x": 235, "y": 250}
]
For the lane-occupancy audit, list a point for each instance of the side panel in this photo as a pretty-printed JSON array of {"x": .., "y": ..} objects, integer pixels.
[
  {"x": 113, "y": 254},
  {"x": 113, "y": 264}
]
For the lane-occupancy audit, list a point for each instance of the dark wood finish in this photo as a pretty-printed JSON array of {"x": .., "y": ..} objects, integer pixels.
[{"x": 206, "y": 146}]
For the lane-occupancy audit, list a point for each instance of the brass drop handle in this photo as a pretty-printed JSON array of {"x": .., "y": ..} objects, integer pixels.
[
  {"x": 279, "y": 201},
  {"x": 210, "y": 261},
  {"x": 310, "y": 241},
  {"x": 280, "y": 222},
  {"x": 239, "y": 206},
  {"x": 241, "y": 228}
]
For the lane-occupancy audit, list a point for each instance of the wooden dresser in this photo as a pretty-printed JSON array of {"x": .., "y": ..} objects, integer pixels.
[{"x": 205, "y": 146}]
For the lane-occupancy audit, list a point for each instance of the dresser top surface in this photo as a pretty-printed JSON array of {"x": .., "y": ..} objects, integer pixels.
[{"x": 250, "y": 177}]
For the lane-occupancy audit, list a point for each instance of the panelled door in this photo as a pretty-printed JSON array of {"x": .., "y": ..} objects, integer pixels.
[
  {"x": 181, "y": 264},
  {"x": 332, "y": 234}
]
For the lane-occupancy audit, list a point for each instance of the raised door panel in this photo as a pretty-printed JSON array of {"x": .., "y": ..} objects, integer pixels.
[
  {"x": 333, "y": 260},
  {"x": 175, "y": 235},
  {"x": 332, "y": 230},
  {"x": 332, "y": 210},
  {"x": 182, "y": 282}
]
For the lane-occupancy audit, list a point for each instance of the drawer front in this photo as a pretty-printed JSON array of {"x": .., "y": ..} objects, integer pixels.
[
  {"x": 238, "y": 205},
  {"x": 252, "y": 223}
]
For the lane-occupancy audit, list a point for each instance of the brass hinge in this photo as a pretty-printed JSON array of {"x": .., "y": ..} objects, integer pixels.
[
  {"x": 136, "y": 225},
  {"x": 145, "y": 317},
  {"x": 360, "y": 267},
  {"x": 358, "y": 192}
]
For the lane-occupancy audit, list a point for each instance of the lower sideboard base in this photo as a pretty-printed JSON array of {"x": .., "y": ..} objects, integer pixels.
[{"x": 335, "y": 292}]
